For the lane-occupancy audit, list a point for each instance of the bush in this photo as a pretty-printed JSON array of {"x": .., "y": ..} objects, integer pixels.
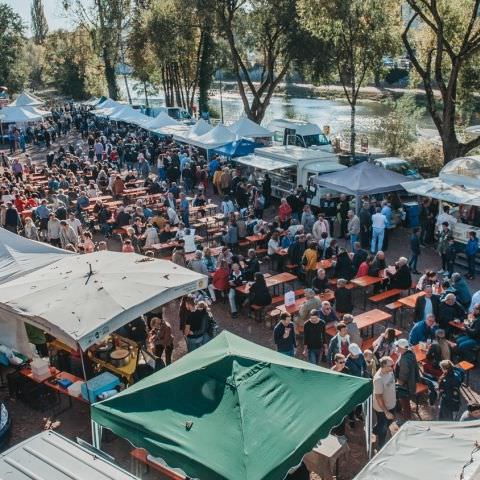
[
  {"x": 396, "y": 75},
  {"x": 427, "y": 157}
]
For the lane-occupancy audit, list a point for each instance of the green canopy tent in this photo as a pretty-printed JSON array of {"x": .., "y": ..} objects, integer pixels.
[{"x": 232, "y": 410}]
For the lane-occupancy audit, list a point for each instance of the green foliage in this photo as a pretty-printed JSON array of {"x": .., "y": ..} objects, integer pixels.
[
  {"x": 426, "y": 157},
  {"x": 397, "y": 131},
  {"x": 39, "y": 22},
  {"x": 72, "y": 65},
  {"x": 12, "y": 69},
  {"x": 395, "y": 75}
]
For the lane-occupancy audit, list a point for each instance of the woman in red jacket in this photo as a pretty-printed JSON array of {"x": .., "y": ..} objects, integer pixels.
[{"x": 220, "y": 277}]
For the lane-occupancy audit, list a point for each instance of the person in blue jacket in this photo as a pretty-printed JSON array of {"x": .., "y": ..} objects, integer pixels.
[
  {"x": 462, "y": 292},
  {"x": 471, "y": 251},
  {"x": 423, "y": 331}
]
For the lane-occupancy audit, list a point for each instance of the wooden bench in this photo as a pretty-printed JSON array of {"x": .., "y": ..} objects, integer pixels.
[
  {"x": 261, "y": 251},
  {"x": 386, "y": 295},
  {"x": 367, "y": 343},
  {"x": 393, "y": 308},
  {"x": 244, "y": 243},
  {"x": 277, "y": 300}
]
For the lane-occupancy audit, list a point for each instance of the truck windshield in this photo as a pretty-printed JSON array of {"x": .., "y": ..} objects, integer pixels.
[{"x": 318, "y": 139}]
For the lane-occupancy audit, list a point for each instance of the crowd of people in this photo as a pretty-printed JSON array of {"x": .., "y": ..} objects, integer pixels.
[{"x": 325, "y": 248}]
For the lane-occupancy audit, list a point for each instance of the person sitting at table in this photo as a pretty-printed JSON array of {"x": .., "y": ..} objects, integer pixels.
[
  {"x": 402, "y": 278},
  {"x": 122, "y": 218},
  {"x": 226, "y": 255},
  {"x": 150, "y": 236},
  {"x": 426, "y": 304},
  {"x": 428, "y": 278},
  {"x": 312, "y": 302},
  {"x": 384, "y": 345},
  {"x": 339, "y": 343},
  {"x": 197, "y": 264},
  {"x": 258, "y": 293},
  {"x": 320, "y": 282},
  {"x": 343, "y": 267},
  {"x": 469, "y": 341},
  {"x": 343, "y": 297},
  {"x": 166, "y": 234},
  {"x": 364, "y": 267},
  {"x": 377, "y": 264},
  {"x": 352, "y": 329},
  {"x": 439, "y": 350},
  {"x": 178, "y": 255},
  {"x": 332, "y": 250},
  {"x": 472, "y": 412},
  {"x": 448, "y": 311},
  {"x": 273, "y": 251},
  {"x": 220, "y": 279},
  {"x": 209, "y": 260},
  {"x": 423, "y": 330},
  {"x": 359, "y": 256},
  {"x": 327, "y": 313},
  {"x": 462, "y": 292},
  {"x": 252, "y": 265},
  {"x": 235, "y": 280},
  {"x": 295, "y": 254}
]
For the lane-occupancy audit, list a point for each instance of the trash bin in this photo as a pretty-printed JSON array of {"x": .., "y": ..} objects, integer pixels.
[{"x": 412, "y": 210}]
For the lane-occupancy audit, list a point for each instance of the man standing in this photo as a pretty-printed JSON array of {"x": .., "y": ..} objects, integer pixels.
[
  {"x": 184, "y": 210},
  {"x": 313, "y": 338},
  {"x": 407, "y": 374},
  {"x": 353, "y": 228},
  {"x": 343, "y": 207},
  {"x": 365, "y": 225},
  {"x": 284, "y": 335},
  {"x": 379, "y": 223},
  {"x": 384, "y": 399},
  {"x": 426, "y": 304}
]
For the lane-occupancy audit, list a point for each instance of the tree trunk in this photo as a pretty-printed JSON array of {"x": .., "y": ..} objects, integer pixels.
[
  {"x": 205, "y": 72},
  {"x": 353, "y": 135},
  {"x": 146, "y": 94},
  {"x": 110, "y": 76}
]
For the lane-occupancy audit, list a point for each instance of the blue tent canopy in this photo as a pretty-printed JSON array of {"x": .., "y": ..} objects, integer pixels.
[{"x": 238, "y": 148}]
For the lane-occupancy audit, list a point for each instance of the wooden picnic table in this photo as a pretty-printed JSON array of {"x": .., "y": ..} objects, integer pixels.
[
  {"x": 256, "y": 238},
  {"x": 64, "y": 391},
  {"x": 295, "y": 308},
  {"x": 365, "y": 282},
  {"x": 27, "y": 373},
  {"x": 102, "y": 198},
  {"x": 365, "y": 320},
  {"x": 172, "y": 244},
  {"x": 457, "y": 325},
  {"x": 112, "y": 204},
  {"x": 273, "y": 281},
  {"x": 411, "y": 300},
  {"x": 325, "y": 264}
]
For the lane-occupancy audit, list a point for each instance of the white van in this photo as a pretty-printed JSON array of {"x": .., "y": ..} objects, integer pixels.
[
  {"x": 290, "y": 166},
  {"x": 300, "y": 133}
]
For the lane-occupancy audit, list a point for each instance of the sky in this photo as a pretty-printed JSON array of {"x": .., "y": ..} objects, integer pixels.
[{"x": 53, "y": 12}]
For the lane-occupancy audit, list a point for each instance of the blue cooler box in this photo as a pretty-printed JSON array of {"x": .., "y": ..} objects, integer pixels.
[
  {"x": 97, "y": 385},
  {"x": 412, "y": 210}
]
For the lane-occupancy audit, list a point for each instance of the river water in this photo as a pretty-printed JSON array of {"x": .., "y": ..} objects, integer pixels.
[{"x": 334, "y": 113}]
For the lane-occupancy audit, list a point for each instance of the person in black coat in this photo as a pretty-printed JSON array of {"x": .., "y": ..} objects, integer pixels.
[
  {"x": 252, "y": 265},
  {"x": 377, "y": 264},
  {"x": 359, "y": 256},
  {"x": 343, "y": 266},
  {"x": 415, "y": 249},
  {"x": 320, "y": 282},
  {"x": 448, "y": 311},
  {"x": 259, "y": 294},
  {"x": 343, "y": 297},
  {"x": 402, "y": 278},
  {"x": 428, "y": 303}
]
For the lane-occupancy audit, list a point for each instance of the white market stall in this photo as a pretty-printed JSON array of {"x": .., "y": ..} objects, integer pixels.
[
  {"x": 80, "y": 299},
  {"x": 440, "y": 450},
  {"x": 246, "y": 128},
  {"x": 161, "y": 120},
  {"x": 216, "y": 137},
  {"x": 18, "y": 115},
  {"x": 26, "y": 99},
  {"x": 458, "y": 183}
]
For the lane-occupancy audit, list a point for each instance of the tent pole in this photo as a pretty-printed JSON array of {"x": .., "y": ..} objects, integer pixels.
[
  {"x": 368, "y": 426},
  {"x": 84, "y": 372},
  {"x": 96, "y": 435}
]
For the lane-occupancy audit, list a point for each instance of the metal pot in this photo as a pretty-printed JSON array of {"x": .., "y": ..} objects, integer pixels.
[
  {"x": 120, "y": 357},
  {"x": 103, "y": 351}
]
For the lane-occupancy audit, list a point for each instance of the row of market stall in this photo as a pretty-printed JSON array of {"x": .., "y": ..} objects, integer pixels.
[{"x": 26, "y": 108}]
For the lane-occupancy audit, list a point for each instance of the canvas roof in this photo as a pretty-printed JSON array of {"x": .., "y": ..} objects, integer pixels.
[
  {"x": 18, "y": 115},
  {"x": 82, "y": 298},
  {"x": 161, "y": 120},
  {"x": 251, "y": 410},
  {"x": 433, "y": 450},
  {"x": 238, "y": 148},
  {"x": 25, "y": 99},
  {"x": 216, "y": 137},
  {"x": 244, "y": 127},
  {"x": 362, "y": 179},
  {"x": 464, "y": 171}
]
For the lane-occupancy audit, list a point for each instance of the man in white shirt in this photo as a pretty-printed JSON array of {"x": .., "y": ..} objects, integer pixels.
[
  {"x": 384, "y": 399},
  {"x": 445, "y": 217},
  {"x": 379, "y": 223}
]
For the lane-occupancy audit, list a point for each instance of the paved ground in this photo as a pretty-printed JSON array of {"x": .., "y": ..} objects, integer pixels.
[{"x": 75, "y": 422}]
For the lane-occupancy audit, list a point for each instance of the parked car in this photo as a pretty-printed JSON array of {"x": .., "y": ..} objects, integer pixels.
[{"x": 398, "y": 165}]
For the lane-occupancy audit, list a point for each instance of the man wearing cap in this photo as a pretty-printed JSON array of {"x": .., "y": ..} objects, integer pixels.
[
  {"x": 356, "y": 362},
  {"x": 407, "y": 375},
  {"x": 384, "y": 399}
]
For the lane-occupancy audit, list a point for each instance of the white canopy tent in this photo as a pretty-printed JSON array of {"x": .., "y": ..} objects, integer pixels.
[
  {"x": 20, "y": 256},
  {"x": 82, "y": 298},
  {"x": 136, "y": 117},
  {"x": 439, "y": 450},
  {"x": 216, "y": 137},
  {"x": 161, "y": 120},
  {"x": 462, "y": 171},
  {"x": 38, "y": 111},
  {"x": 26, "y": 99},
  {"x": 174, "y": 130},
  {"x": 18, "y": 115},
  {"x": 246, "y": 128}
]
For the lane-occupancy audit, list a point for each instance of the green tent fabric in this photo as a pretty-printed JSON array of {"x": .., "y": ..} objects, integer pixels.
[{"x": 254, "y": 412}]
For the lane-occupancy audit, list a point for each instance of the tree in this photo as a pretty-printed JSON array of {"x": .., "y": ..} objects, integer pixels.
[
  {"x": 258, "y": 32},
  {"x": 72, "y": 64},
  {"x": 361, "y": 32},
  {"x": 106, "y": 21},
  {"x": 443, "y": 46},
  {"x": 396, "y": 131},
  {"x": 12, "y": 75},
  {"x": 39, "y": 22}
]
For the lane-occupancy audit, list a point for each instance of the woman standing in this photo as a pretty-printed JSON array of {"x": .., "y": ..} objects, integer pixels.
[
  {"x": 30, "y": 230},
  {"x": 160, "y": 340}
]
